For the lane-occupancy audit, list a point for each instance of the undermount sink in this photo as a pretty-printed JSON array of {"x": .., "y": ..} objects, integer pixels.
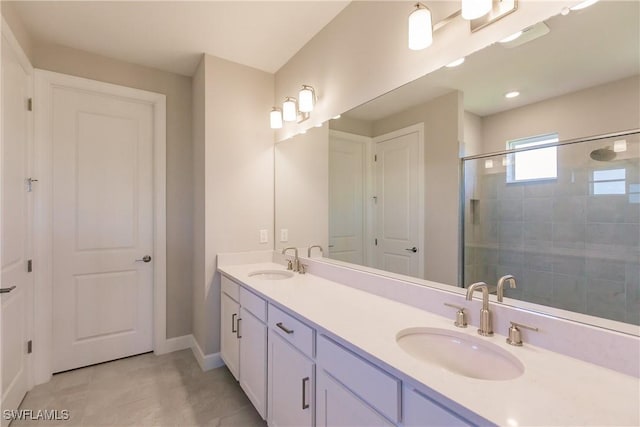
[
  {"x": 271, "y": 274},
  {"x": 459, "y": 353}
]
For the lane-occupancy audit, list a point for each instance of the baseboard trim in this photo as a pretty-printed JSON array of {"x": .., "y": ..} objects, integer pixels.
[
  {"x": 206, "y": 361},
  {"x": 175, "y": 344}
]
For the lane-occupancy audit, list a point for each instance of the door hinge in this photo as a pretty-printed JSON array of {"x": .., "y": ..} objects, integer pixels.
[
  {"x": 375, "y": 157},
  {"x": 29, "y": 347},
  {"x": 30, "y": 104},
  {"x": 375, "y": 241},
  {"x": 29, "y": 266}
]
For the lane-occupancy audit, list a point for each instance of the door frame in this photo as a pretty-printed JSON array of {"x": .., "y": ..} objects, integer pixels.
[
  {"x": 419, "y": 129},
  {"x": 13, "y": 44},
  {"x": 45, "y": 81},
  {"x": 367, "y": 191}
]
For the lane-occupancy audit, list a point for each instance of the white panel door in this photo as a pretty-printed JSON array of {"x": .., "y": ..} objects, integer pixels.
[
  {"x": 398, "y": 196},
  {"x": 253, "y": 360},
  {"x": 102, "y": 224},
  {"x": 16, "y": 231},
  {"x": 346, "y": 199},
  {"x": 337, "y": 406},
  {"x": 291, "y": 385},
  {"x": 229, "y": 344}
]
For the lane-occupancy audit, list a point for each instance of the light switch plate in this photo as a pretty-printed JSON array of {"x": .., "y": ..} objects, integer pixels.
[
  {"x": 264, "y": 236},
  {"x": 284, "y": 235}
]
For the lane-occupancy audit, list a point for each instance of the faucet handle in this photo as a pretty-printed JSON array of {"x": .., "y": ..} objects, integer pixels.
[
  {"x": 289, "y": 264},
  {"x": 515, "y": 337},
  {"x": 303, "y": 269},
  {"x": 461, "y": 317}
]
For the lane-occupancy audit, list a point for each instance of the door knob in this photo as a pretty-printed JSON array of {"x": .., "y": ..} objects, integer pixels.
[
  {"x": 413, "y": 249},
  {"x": 146, "y": 258},
  {"x": 7, "y": 290}
]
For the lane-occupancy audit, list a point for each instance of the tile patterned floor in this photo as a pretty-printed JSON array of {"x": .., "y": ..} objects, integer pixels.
[{"x": 145, "y": 390}]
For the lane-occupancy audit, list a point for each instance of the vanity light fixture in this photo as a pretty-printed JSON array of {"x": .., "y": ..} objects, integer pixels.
[
  {"x": 455, "y": 63},
  {"x": 474, "y": 9},
  {"x": 512, "y": 94},
  {"x": 276, "y": 118},
  {"x": 585, "y": 4},
  {"x": 307, "y": 99},
  {"x": 512, "y": 37},
  {"x": 420, "y": 28},
  {"x": 289, "y": 109}
]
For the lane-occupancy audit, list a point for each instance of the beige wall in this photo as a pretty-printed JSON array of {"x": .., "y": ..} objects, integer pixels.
[
  {"x": 351, "y": 125},
  {"x": 302, "y": 189},
  {"x": 442, "y": 118},
  {"x": 17, "y": 27},
  {"x": 363, "y": 52},
  {"x": 238, "y": 177},
  {"x": 179, "y": 159},
  {"x": 597, "y": 110}
]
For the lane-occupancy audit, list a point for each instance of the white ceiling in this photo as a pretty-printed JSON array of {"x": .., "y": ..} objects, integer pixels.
[
  {"x": 171, "y": 35},
  {"x": 586, "y": 48}
]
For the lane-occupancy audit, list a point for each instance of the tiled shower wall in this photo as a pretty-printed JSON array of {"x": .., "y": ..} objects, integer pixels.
[{"x": 567, "y": 247}]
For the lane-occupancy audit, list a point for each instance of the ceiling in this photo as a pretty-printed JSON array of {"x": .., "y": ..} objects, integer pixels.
[
  {"x": 583, "y": 49},
  {"x": 171, "y": 35}
]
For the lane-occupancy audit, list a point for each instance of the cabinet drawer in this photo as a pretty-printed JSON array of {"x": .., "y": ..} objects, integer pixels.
[
  {"x": 253, "y": 304},
  {"x": 370, "y": 383},
  {"x": 230, "y": 288},
  {"x": 292, "y": 330}
]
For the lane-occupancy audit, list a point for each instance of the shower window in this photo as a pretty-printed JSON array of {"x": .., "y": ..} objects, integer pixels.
[
  {"x": 532, "y": 165},
  {"x": 609, "y": 181}
]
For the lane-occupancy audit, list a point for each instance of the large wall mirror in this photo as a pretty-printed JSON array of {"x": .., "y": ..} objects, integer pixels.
[{"x": 385, "y": 186}]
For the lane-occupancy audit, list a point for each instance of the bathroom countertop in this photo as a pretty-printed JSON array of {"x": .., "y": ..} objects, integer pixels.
[{"x": 554, "y": 390}]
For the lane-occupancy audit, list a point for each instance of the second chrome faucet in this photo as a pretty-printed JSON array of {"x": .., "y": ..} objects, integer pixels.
[{"x": 486, "y": 327}]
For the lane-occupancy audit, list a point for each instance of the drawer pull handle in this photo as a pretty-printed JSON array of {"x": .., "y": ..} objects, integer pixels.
[
  {"x": 284, "y": 328},
  {"x": 233, "y": 322},
  {"x": 238, "y": 328},
  {"x": 305, "y": 405}
]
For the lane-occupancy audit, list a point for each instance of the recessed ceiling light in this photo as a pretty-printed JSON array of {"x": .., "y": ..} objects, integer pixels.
[
  {"x": 455, "y": 63},
  {"x": 512, "y": 37},
  {"x": 512, "y": 94},
  {"x": 585, "y": 4},
  {"x": 336, "y": 117}
]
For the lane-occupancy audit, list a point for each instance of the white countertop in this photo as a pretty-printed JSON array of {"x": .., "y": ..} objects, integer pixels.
[{"x": 554, "y": 389}]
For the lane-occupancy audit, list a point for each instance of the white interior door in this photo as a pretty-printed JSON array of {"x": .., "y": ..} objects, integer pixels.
[
  {"x": 102, "y": 147},
  {"x": 398, "y": 213},
  {"x": 346, "y": 198},
  {"x": 17, "y": 283}
]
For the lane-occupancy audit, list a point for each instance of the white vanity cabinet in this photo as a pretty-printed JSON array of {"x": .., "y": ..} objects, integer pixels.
[
  {"x": 419, "y": 410},
  {"x": 291, "y": 371},
  {"x": 244, "y": 341}
]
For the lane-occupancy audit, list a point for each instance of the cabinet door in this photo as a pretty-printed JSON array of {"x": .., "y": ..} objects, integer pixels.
[
  {"x": 229, "y": 343},
  {"x": 291, "y": 385},
  {"x": 419, "y": 410},
  {"x": 337, "y": 406},
  {"x": 253, "y": 360}
]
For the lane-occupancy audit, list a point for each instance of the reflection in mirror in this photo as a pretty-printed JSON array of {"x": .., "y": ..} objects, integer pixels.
[{"x": 394, "y": 167}]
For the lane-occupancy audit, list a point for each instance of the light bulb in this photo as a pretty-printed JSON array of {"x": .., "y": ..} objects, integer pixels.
[
  {"x": 474, "y": 9},
  {"x": 306, "y": 99},
  {"x": 276, "y": 118},
  {"x": 420, "y": 28},
  {"x": 289, "y": 110},
  {"x": 512, "y": 94}
]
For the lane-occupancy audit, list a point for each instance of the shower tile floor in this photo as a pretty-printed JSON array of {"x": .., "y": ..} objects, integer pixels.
[{"x": 145, "y": 390}]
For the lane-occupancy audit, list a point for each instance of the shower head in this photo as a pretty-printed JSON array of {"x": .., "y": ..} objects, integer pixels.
[{"x": 603, "y": 154}]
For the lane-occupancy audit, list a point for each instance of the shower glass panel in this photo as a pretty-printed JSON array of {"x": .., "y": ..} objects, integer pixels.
[{"x": 571, "y": 240}]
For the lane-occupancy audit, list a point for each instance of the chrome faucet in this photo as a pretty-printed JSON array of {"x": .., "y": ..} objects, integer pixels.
[
  {"x": 486, "y": 329},
  {"x": 505, "y": 279},
  {"x": 314, "y": 246},
  {"x": 295, "y": 265}
]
